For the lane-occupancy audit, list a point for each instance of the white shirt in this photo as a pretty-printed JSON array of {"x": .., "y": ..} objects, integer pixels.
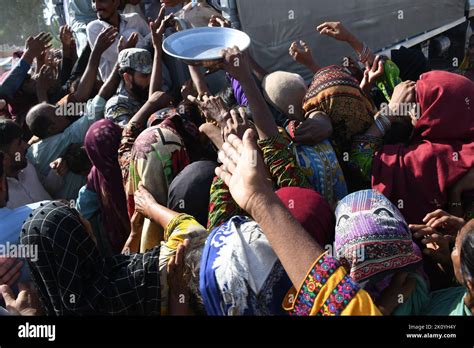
[
  {"x": 27, "y": 189},
  {"x": 129, "y": 23}
]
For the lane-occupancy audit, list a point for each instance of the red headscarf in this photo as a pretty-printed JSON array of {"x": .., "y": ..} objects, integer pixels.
[
  {"x": 102, "y": 142},
  {"x": 416, "y": 177},
  {"x": 312, "y": 212}
]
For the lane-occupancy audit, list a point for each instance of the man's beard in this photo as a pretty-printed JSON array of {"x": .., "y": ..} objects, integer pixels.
[{"x": 140, "y": 92}]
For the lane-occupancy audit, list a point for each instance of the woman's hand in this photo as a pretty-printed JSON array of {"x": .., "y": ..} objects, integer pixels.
[
  {"x": 444, "y": 222},
  {"x": 335, "y": 30},
  {"x": 372, "y": 74},
  {"x": 25, "y": 304},
  {"x": 403, "y": 94},
  {"x": 244, "y": 171},
  {"x": 236, "y": 124},
  {"x": 178, "y": 288},
  {"x": 303, "y": 55},
  {"x": 212, "y": 107},
  {"x": 236, "y": 64},
  {"x": 437, "y": 244},
  {"x": 143, "y": 201}
]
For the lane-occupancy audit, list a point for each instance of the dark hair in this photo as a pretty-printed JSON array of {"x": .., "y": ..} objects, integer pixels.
[
  {"x": 76, "y": 159},
  {"x": 467, "y": 254},
  {"x": 38, "y": 121},
  {"x": 192, "y": 269},
  {"x": 9, "y": 131}
]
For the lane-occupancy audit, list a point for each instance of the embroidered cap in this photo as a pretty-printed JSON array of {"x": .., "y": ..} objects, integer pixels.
[{"x": 137, "y": 59}]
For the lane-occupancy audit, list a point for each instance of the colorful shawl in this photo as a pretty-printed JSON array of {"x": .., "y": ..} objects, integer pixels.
[
  {"x": 158, "y": 155},
  {"x": 321, "y": 167},
  {"x": 335, "y": 92},
  {"x": 372, "y": 237},
  {"x": 240, "y": 273},
  {"x": 441, "y": 151},
  {"x": 102, "y": 142}
]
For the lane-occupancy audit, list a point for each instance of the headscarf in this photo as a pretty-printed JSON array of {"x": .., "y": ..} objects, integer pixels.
[
  {"x": 190, "y": 191},
  {"x": 285, "y": 91},
  {"x": 441, "y": 151},
  {"x": 102, "y": 142},
  {"x": 73, "y": 279},
  {"x": 335, "y": 92},
  {"x": 411, "y": 62},
  {"x": 311, "y": 210},
  {"x": 372, "y": 237},
  {"x": 240, "y": 274},
  {"x": 158, "y": 155}
]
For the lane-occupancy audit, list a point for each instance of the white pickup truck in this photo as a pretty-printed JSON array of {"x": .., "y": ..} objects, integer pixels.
[{"x": 440, "y": 27}]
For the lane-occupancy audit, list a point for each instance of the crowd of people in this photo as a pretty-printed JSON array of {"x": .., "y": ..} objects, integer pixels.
[{"x": 119, "y": 196}]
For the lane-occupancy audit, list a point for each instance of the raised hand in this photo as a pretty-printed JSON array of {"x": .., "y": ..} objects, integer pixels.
[
  {"x": 244, "y": 171},
  {"x": 67, "y": 40},
  {"x": 372, "y": 74},
  {"x": 105, "y": 39},
  {"x": 159, "y": 26},
  {"x": 236, "y": 63},
  {"x": 335, "y": 30},
  {"x": 212, "y": 107},
  {"x": 38, "y": 44},
  {"x": 126, "y": 44},
  {"x": 219, "y": 21},
  {"x": 236, "y": 124},
  {"x": 302, "y": 54}
]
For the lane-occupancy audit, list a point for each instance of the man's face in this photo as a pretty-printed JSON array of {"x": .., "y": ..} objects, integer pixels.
[
  {"x": 105, "y": 9},
  {"x": 138, "y": 84},
  {"x": 15, "y": 159}
]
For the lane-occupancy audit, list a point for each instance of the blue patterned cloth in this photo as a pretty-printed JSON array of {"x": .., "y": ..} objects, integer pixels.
[
  {"x": 323, "y": 171},
  {"x": 240, "y": 273}
]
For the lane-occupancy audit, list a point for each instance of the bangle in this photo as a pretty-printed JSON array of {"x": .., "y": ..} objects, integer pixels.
[
  {"x": 364, "y": 55},
  {"x": 383, "y": 123}
]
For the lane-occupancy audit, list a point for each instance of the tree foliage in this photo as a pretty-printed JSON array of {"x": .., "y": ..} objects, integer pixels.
[{"x": 20, "y": 19}]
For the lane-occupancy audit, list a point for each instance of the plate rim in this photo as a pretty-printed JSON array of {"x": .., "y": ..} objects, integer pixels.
[{"x": 247, "y": 45}]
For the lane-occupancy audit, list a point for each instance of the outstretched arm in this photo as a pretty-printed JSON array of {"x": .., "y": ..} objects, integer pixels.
[
  {"x": 337, "y": 31},
  {"x": 245, "y": 174}
]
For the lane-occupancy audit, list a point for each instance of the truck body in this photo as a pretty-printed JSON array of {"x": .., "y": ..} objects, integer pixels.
[{"x": 382, "y": 24}]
